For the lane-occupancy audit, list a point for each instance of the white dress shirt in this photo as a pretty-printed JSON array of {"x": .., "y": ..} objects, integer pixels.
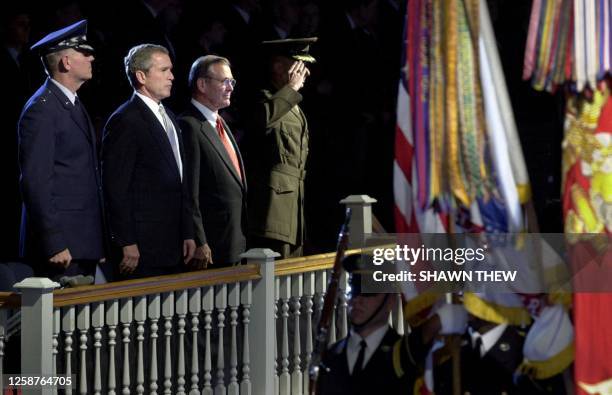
[
  {"x": 211, "y": 118},
  {"x": 488, "y": 339},
  {"x": 154, "y": 107},
  {"x": 373, "y": 340},
  {"x": 69, "y": 94}
]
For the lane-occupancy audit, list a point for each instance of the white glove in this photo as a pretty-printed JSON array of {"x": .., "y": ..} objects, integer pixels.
[{"x": 453, "y": 319}]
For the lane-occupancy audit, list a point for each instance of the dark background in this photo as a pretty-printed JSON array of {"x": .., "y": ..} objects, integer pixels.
[{"x": 349, "y": 98}]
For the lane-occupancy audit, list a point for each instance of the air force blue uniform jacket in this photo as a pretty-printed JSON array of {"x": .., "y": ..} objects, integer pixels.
[{"x": 60, "y": 179}]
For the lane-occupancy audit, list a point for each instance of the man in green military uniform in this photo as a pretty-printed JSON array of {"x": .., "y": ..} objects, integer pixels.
[{"x": 277, "y": 149}]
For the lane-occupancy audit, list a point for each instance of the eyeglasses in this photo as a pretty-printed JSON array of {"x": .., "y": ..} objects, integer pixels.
[{"x": 227, "y": 81}]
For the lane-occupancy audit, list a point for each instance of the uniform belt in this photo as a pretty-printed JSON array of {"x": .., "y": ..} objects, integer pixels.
[{"x": 289, "y": 170}]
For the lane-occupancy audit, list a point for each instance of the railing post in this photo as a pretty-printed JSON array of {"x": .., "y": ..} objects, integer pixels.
[
  {"x": 262, "y": 321},
  {"x": 36, "y": 327},
  {"x": 361, "y": 218}
]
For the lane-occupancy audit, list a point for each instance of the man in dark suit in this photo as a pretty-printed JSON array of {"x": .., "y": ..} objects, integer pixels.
[
  {"x": 214, "y": 163},
  {"x": 374, "y": 356},
  {"x": 62, "y": 218},
  {"x": 149, "y": 212}
]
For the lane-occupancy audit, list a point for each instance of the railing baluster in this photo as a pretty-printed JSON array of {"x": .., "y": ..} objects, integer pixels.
[
  {"x": 83, "y": 326},
  {"x": 140, "y": 315},
  {"x": 309, "y": 291},
  {"x": 112, "y": 319},
  {"x": 54, "y": 343},
  {"x": 246, "y": 298},
  {"x": 154, "y": 314},
  {"x": 126, "y": 317},
  {"x": 233, "y": 302},
  {"x": 181, "y": 311},
  {"x": 97, "y": 321},
  {"x": 276, "y": 354},
  {"x": 285, "y": 295},
  {"x": 168, "y": 313},
  {"x": 321, "y": 277},
  {"x": 208, "y": 302},
  {"x": 220, "y": 305},
  {"x": 68, "y": 328},
  {"x": 332, "y": 329},
  {"x": 195, "y": 306},
  {"x": 296, "y": 295}
]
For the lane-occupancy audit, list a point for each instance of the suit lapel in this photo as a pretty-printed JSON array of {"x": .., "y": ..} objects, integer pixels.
[
  {"x": 87, "y": 129},
  {"x": 158, "y": 132},
  {"x": 380, "y": 354},
  {"x": 210, "y": 133}
]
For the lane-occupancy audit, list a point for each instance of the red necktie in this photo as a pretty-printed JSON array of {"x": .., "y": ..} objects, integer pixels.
[{"x": 228, "y": 146}]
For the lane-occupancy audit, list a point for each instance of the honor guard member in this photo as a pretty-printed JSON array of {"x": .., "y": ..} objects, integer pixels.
[
  {"x": 277, "y": 149},
  {"x": 499, "y": 358},
  {"x": 374, "y": 357},
  {"x": 62, "y": 231}
]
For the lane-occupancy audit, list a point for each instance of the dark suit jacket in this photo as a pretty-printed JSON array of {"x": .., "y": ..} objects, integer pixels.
[
  {"x": 147, "y": 202},
  {"x": 496, "y": 371},
  {"x": 390, "y": 370},
  {"x": 218, "y": 193},
  {"x": 60, "y": 179}
]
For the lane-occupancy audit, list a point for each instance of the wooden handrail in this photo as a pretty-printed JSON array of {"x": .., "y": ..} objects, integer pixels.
[
  {"x": 10, "y": 299},
  {"x": 310, "y": 263},
  {"x": 153, "y": 285}
]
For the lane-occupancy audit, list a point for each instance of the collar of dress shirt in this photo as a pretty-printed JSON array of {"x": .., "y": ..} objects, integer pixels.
[
  {"x": 373, "y": 340},
  {"x": 209, "y": 114},
  {"x": 153, "y": 106},
  {"x": 69, "y": 94},
  {"x": 488, "y": 339}
]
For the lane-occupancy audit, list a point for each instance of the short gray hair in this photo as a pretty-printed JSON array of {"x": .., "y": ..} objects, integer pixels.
[
  {"x": 51, "y": 61},
  {"x": 200, "y": 68},
  {"x": 139, "y": 58}
]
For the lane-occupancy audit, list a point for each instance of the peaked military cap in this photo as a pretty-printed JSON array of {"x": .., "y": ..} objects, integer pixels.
[
  {"x": 73, "y": 36},
  {"x": 359, "y": 268},
  {"x": 294, "y": 48}
]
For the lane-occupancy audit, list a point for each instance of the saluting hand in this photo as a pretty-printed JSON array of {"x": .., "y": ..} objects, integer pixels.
[
  {"x": 131, "y": 255},
  {"x": 297, "y": 75},
  {"x": 62, "y": 259}
]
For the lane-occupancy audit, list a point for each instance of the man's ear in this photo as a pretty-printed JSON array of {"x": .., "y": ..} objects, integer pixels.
[
  {"x": 201, "y": 84},
  {"x": 141, "y": 77},
  {"x": 63, "y": 63}
]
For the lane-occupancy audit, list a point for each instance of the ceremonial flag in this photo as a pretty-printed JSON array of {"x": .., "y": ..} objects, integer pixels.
[{"x": 587, "y": 204}]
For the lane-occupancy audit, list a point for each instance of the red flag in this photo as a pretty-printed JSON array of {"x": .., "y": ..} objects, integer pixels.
[{"x": 586, "y": 197}]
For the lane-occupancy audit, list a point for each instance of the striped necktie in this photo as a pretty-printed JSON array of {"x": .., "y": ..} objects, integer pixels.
[
  {"x": 172, "y": 138},
  {"x": 228, "y": 146}
]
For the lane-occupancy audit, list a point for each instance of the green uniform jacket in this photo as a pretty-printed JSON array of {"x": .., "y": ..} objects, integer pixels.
[{"x": 278, "y": 148}]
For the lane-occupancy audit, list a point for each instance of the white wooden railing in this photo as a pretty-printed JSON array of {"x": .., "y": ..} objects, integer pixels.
[{"x": 238, "y": 331}]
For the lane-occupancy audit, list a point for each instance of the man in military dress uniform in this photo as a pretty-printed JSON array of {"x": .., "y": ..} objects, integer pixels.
[
  {"x": 491, "y": 358},
  {"x": 374, "y": 357},
  {"x": 61, "y": 230},
  {"x": 277, "y": 150}
]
